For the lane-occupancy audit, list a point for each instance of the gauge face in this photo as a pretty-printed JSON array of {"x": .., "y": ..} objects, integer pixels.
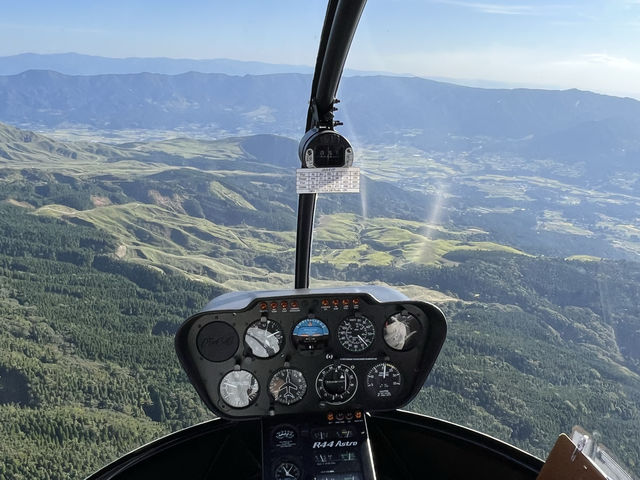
[
  {"x": 287, "y": 471},
  {"x": 401, "y": 331},
  {"x": 336, "y": 384},
  {"x": 285, "y": 436},
  {"x": 265, "y": 338},
  {"x": 356, "y": 333},
  {"x": 239, "y": 388},
  {"x": 288, "y": 386},
  {"x": 310, "y": 334},
  {"x": 384, "y": 381}
]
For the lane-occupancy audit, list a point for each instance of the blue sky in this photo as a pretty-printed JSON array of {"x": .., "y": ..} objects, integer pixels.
[{"x": 585, "y": 44}]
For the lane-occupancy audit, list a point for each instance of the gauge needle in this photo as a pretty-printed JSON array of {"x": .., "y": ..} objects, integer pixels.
[
  {"x": 384, "y": 370},
  {"x": 362, "y": 339}
]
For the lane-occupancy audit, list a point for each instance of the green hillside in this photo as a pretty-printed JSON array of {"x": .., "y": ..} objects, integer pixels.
[{"x": 103, "y": 255}]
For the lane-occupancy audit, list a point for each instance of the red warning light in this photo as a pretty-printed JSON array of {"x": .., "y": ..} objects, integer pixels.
[
  {"x": 284, "y": 304},
  {"x": 330, "y": 416},
  {"x": 263, "y": 306},
  {"x": 336, "y": 301},
  {"x": 325, "y": 302},
  {"x": 356, "y": 301},
  {"x": 294, "y": 304},
  {"x": 345, "y": 301},
  {"x": 274, "y": 305},
  {"x": 358, "y": 414}
]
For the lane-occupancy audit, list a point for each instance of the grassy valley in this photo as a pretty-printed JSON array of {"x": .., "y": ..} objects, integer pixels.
[{"x": 105, "y": 249}]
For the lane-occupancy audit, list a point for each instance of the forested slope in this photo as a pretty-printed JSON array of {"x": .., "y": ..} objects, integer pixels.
[{"x": 104, "y": 250}]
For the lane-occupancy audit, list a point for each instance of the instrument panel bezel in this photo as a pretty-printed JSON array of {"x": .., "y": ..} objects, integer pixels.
[{"x": 243, "y": 308}]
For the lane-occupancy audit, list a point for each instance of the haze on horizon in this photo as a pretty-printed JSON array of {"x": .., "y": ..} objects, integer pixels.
[{"x": 591, "y": 45}]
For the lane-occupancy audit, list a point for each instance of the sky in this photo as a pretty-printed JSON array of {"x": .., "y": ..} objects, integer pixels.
[{"x": 586, "y": 44}]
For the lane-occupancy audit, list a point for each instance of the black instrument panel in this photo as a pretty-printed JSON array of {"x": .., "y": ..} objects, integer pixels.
[{"x": 268, "y": 353}]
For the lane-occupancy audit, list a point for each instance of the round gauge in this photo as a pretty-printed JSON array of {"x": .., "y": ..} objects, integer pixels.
[
  {"x": 384, "y": 381},
  {"x": 356, "y": 333},
  {"x": 336, "y": 384},
  {"x": 310, "y": 334},
  {"x": 287, "y": 471},
  {"x": 287, "y": 386},
  {"x": 401, "y": 331},
  {"x": 239, "y": 388},
  {"x": 265, "y": 338},
  {"x": 285, "y": 436}
]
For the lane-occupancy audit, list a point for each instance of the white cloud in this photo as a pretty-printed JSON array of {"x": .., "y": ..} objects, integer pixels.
[
  {"x": 599, "y": 59},
  {"x": 503, "y": 9}
]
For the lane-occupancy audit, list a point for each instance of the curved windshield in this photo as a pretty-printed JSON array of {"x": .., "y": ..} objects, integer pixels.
[{"x": 148, "y": 156}]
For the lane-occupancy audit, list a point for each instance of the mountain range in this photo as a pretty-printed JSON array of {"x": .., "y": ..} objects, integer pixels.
[
  {"x": 516, "y": 211},
  {"x": 105, "y": 249},
  {"x": 573, "y": 126},
  {"x": 79, "y": 64}
]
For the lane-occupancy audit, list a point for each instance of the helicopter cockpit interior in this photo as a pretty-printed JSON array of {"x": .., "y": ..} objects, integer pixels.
[{"x": 310, "y": 364}]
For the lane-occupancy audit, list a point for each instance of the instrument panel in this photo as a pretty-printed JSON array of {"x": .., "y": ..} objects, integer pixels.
[{"x": 257, "y": 354}]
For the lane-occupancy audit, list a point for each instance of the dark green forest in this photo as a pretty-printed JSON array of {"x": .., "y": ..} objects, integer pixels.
[
  {"x": 88, "y": 372},
  {"x": 105, "y": 250},
  {"x": 87, "y": 369}
]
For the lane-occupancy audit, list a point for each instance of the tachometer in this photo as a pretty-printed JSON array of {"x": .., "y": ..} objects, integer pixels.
[
  {"x": 287, "y": 386},
  {"x": 383, "y": 381},
  {"x": 336, "y": 384},
  {"x": 310, "y": 334},
  {"x": 265, "y": 338},
  {"x": 401, "y": 331},
  {"x": 356, "y": 333},
  {"x": 239, "y": 388}
]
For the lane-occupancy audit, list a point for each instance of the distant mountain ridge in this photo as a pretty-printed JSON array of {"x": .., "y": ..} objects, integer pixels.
[
  {"x": 79, "y": 64},
  {"x": 575, "y": 125}
]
